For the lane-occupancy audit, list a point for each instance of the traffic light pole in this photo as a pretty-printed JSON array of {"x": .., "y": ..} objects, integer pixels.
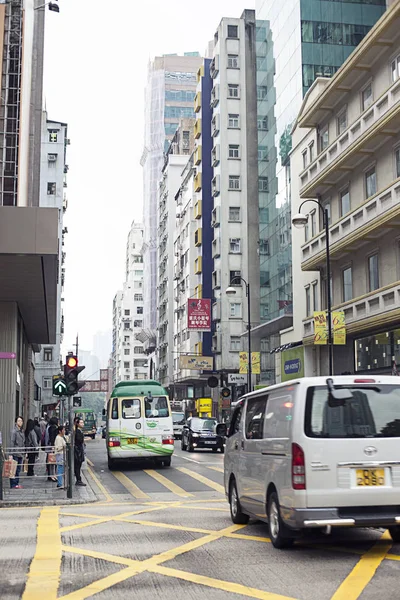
[{"x": 71, "y": 449}]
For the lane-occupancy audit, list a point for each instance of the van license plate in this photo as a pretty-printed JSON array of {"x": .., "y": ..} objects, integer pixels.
[
  {"x": 370, "y": 477},
  {"x": 132, "y": 440}
]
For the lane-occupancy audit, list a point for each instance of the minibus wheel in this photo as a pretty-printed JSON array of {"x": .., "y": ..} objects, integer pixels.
[
  {"x": 111, "y": 463},
  {"x": 395, "y": 533},
  {"x": 278, "y": 532},
  {"x": 237, "y": 515}
]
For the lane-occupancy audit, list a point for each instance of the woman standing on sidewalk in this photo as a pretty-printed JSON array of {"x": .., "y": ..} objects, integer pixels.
[
  {"x": 17, "y": 442},
  {"x": 31, "y": 444},
  {"x": 59, "y": 449},
  {"x": 79, "y": 450}
]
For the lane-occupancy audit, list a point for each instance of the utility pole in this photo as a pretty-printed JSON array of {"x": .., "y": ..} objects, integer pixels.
[{"x": 72, "y": 434}]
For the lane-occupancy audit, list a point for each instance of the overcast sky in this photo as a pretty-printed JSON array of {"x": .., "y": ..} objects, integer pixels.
[{"x": 95, "y": 73}]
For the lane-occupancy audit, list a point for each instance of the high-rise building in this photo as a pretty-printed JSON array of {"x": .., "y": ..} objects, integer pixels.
[
  {"x": 170, "y": 91},
  {"x": 29, "y": 245},
  {"x": 297, "y": 41},
  {"x": 53, "y": 172},
  {"x": 128, "y": 360}
]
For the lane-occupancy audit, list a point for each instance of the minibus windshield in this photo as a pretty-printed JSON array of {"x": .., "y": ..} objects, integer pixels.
[{"x": 372, "y": 412}]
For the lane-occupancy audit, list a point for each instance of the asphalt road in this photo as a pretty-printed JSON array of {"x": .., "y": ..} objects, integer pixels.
[{"x": 166, "y": 533}]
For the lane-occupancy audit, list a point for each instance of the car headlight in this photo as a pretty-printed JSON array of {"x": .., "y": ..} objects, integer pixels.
[{"x": 195, "y": 435}]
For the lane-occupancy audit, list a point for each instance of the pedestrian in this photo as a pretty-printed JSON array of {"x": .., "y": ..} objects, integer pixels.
[
  {"x": 79, "y": 450},
  {"x": 51, "y": 434},
  {"x": 59, "y": 449},
  {"x": 37, "y": 429},
  {"x": 31, "y": 444},
  {"x": 17, "y": 449}
]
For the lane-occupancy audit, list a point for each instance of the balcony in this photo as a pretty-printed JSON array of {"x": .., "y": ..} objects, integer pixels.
[
  {"x": 197, "y": 237},
  {"x": 379, "y": 308},
  {"x": 198, "y": 348},
  {"x": 214, "y": 96},
  {"x": 377, "y": 124},
  {"x": 197, "y": 209},
  {"x": 214, "y": 67},
  {"x": 216, "y": 347},
  {"x": 197, "y": 182},
  {"x": 215, "y": 155},
  {"x": 216, "y": 311},
  {"x": 200, "y": 73},
  {"x": 198, "y": 291},
  {"x": 215, "y": 217},
  {"x": 197, "y": 102},
  {"x": 215, "y": 125},
  {"x": 366, "y": 223},
  {"x": 216, "y": 248},
  {"x": 197, "y": 129},
  {"x": 197, "y": 155},
  {"x": 215, "y": 186},
  {"x": 198, "y": 265}
]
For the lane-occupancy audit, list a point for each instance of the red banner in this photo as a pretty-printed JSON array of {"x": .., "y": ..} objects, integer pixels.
[{"x": 199, "y": 314}]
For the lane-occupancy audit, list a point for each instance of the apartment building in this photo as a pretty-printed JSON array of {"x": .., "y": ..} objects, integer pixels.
[
  {"x": 53, "y": 183},
  {"x": 234, "y": 188},
  {"x": 128, "y": 358},
  {"x": 346, "y": 155}
]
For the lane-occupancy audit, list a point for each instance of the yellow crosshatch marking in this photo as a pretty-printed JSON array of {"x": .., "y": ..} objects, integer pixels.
[
  {"x": 130, "y": 486},
  {"x": 172, "y": 487}
]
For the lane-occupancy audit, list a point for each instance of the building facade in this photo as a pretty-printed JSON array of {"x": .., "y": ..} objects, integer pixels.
[
  {"x": 128, "y": 359},
  {"x": 354, "y": 172},
  {"x": 53, "y": 182},
  {"x": 170, "y": 91}
]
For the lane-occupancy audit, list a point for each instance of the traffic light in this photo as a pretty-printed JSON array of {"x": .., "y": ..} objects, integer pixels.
[
  {"x": 71, "y": 373},
  {"x": 225, "y": 393},
  {"x": 77, "y": 402}
]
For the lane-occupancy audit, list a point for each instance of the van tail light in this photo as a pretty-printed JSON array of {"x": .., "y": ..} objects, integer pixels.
[
  {"x": 114, "y": 442},
  {"x": 298, "y": 468},
  {"x": 167, "y": 440}
]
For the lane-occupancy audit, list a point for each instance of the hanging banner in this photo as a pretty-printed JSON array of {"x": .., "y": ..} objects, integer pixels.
[
  {"x": 244, "y": 363},
  {"x": 199, "y": 314},
  {"x": 320, "y": 327},
  {"x": 339, "y": 328}
]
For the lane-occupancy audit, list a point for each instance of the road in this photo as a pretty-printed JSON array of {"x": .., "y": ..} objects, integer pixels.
[{"x": 166, "y": 533}]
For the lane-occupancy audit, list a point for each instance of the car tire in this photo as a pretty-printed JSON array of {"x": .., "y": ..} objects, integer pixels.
[
  {"x": 278, "y": 532},
  {"x": 395, "y": 533},
  {"x": 215, "y": 450},
  {"x": 237, "y": 515},
  {"x": 111, "y": 464},
  {"x": 222, "y": 450},
  {"x": 183, "y": 445},
  {"x": 189, "y": 446}
]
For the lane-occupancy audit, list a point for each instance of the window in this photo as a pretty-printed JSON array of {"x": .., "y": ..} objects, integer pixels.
[
  {"x": 233, "y": 121},
  {"x": 262, "y": 123},
  {"x": 373, "y": 272},
  {"x": 262, "y": 153},
  {"x": 264, "y": 247},
  {"x": 138, "y": 273},
  {"x": 304, "y": 155},
  {"x": 126, "y": 365},
  {"x": 127, "y": 312},
  {"x": 370, "y": 182},
  {"x": 311, "y": 149},
  {"x": 235, "y": 345},
  {"x": 126, "y": 338},
  {"x": 306, "y": 231},
  {"x": 347, "y": 34},
  {"x": 233, "y": 151},
  {"x": 47, "y": 383},
  {"x": 232, "y": 31},
  {"x": 127, "y": 325},
  {"x": 397, "y": 161},
  {"x": 328, "y": 208},
  {"x": 315, "y": 295},
  {"x": 235, "y": 310},
  {"x": 127, "y": 352},
  {"x": 347, "y": 284},
  {"x": 138, "y": 350},
  {"x": 395, "y": 68},
  {"x": 53, "y": 135},
  {"x": 48, "y": 354},
  {"x": 308, "y": 301},
  {"x": 131, "y": 408},
  {"x": 255, "y": 416},
  {"x": 235, "y": 277},
  {"x": 139, "y": 310},
  {"x": 366, "y": 96},
  {"x": 235, "y": 423},
  {"x": 341, "y": 121},
  {"x": 263, "y": 184},
  {"x": 233, "y": 61},
  {"x": 138, "y": 323},
  {"x": 114, "y": 409},
  {"x": 234, "y": 182},
  {"x": 344, "y": 202},
  {"x": 51, "y": 188},
  {"x": 234, "y": 213},
  {"x": 234, "y": 245},
  {"x": 323, "y": 138},
  {"x": 313, "y": 215},
  {"x": 264, "y": 279},
  {"x": 233, "y": 90},
  {"x": 138, "y": 297},
  {"x": 262, "y": 91}
]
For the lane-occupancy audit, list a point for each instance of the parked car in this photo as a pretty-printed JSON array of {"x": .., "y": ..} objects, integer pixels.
[
  {"x": 201, "y": 433},
  {"x": 178, "y": 420}
]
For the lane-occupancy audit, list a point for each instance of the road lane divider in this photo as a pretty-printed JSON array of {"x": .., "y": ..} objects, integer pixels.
[
  {"x": 129, "y": 485},
  {"x": 218, "y": 469},
  {"x": 172, "y": 487},
  {"x": 97, "y": 481},
  {"x": 204, "y": 480}
]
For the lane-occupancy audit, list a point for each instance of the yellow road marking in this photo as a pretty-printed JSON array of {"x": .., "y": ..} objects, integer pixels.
[
  {"x": 208, "y": 482},
  {"x": 89, "y": 462},
  {"x": 97, "y": 481},
  {"x": 129, "y": 485},
  {"x": 102, "y": 584},
  {"x": 167, "y": 526},
  {"x": 218, "y": 469},
  {"x": 218, "y": 584},
  {"x": 176, "y": 489},
  {"x": 119, "y": 560},
  {"x": 354, "y": 584},
  {"x": 44, "y": 572},
  {"x": 392, "y": 556}
]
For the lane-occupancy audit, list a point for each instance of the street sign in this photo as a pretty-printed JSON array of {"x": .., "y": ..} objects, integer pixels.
[
  {"x": 59, "y": 386},
  {"x": 236, "y": 378},
  {"x": 95, "y": 386}
]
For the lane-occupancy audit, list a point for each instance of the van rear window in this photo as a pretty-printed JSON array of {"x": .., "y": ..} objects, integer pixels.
[{"x": 373, "y": 411}]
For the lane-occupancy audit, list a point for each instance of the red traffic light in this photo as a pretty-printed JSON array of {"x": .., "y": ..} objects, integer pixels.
[{"x": 72, "y": 362}]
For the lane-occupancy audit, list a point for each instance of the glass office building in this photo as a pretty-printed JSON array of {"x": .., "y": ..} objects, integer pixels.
[{"x": 297, "y": 41}]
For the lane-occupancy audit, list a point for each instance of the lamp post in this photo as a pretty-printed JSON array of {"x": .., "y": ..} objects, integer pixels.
[
  {"x": 300, "y": 220},
  {"x": 53, "y": 7},
  {"x": 230, "y": 291}
]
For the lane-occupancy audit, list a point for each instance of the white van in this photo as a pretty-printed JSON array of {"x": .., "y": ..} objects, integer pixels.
[{"x": 316, "y": 452}]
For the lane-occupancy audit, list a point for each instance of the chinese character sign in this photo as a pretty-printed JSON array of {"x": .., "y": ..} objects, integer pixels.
[
  {"x": 199, "y": 314},
  {"x": 320, "y": 327}
]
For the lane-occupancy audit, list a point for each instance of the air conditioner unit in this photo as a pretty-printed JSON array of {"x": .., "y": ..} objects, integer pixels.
[{"x": 52, "y": 157}]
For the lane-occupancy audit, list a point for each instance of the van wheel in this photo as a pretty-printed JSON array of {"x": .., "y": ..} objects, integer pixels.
[
  {"x": 395, "y": 533},
  {"x": 279, "y": 533},
  {"x": 166, "y": 462},
  {"x": 111, "y": 463},
  {"x": 237, "y": 515}
]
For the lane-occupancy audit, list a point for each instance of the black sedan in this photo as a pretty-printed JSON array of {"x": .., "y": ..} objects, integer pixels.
[{"x": 201, "y": 433}]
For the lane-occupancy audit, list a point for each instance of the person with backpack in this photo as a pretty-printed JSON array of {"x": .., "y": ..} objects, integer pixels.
[{"x": 51, "y": 434}]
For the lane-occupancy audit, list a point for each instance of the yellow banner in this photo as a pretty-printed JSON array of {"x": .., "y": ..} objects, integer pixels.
[
  {"x": 320, "y": 327},
  {"x": 339, "y": 328},
  {"x": 244, "y": 363}
]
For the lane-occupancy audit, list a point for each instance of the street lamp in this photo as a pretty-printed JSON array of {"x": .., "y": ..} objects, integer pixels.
[
  {"x": 231, "y": 291},
  {"x": 299, "y": 221},
  {"x": 52, "y": 6}
]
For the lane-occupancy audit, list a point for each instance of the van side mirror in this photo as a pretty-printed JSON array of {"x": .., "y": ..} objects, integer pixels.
[{"x": 221, "y": 429}]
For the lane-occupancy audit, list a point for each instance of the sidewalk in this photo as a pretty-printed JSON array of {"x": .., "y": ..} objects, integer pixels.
[{"x": 37, "y": 491}]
